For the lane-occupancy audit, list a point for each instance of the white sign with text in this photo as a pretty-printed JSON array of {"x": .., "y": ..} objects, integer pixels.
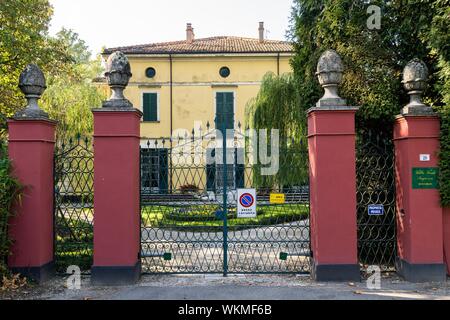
[{"x": 246, "y": 203}]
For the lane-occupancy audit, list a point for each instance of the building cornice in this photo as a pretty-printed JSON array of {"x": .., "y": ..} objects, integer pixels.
[{"x": 206, "y": 55}]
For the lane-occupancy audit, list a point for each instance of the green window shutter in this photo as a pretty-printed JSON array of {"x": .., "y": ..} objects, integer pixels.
[
  {"x": 219, "y": 108},
  {"x": 229, "y": 109},
  {"x": 163, "y": 171},
  {"x": 224, "y": 110},
  {"x": 150, "y": 107},
  {"x": 211, "y": 173},
  {"x": 239, "y": 154}
]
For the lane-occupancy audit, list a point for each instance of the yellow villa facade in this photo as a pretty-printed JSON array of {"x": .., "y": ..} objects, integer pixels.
[
  {"x": 185, "y": 85},
  {"x": 176, "y": 84}
]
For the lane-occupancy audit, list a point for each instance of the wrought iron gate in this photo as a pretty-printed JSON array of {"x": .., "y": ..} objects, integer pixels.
[
  {"x": 376, "y": 186},
  {"x": 188, "y": 207},
  {"x": 73, "y": 203}
]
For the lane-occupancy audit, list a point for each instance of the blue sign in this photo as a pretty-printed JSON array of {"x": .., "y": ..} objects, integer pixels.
[{"x": 376, "y": 210}]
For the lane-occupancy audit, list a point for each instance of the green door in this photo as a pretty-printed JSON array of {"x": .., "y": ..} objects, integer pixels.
[{"x": 224, "y": 121}]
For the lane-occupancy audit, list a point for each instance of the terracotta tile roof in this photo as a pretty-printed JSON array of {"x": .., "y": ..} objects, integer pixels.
[{"x": 208, "y": 45}]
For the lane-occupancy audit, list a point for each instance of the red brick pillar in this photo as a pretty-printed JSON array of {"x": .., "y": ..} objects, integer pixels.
[
  {"x": 331, "y": 141},
  {"x": 31, "y": 148},
  {"x": 116, "y": 183},
  {"x": 419, "y": 214}
]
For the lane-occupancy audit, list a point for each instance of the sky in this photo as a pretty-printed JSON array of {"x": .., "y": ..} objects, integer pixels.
[{"x": 114, "y": 23}]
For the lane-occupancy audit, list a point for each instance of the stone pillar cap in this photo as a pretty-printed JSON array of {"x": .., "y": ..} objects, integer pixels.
[
  {"x": 329, "y": 71},
  {"x": 415, "y": 75},
  {"x": 32, "y": 84},
  {"x": 118, "y": 74}
]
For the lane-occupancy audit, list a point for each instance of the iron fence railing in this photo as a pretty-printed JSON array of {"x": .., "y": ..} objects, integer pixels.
[
  {"x": 376, "y": 186},
  {"x": 73, "y": 203},
  {"x": 189, "y": 219}
]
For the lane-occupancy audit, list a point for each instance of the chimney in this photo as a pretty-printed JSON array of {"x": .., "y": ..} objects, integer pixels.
[
  {"x": 261, "y": 32},
  {"x": 189, "y": 33}
]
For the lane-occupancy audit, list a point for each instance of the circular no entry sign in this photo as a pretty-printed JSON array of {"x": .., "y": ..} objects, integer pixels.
[{"x": 246, "y": 200}]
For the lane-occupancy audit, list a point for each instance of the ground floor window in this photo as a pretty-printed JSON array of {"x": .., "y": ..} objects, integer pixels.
[
  {"x": 215, "y": 171},
  {"x": 154, "y": 170}
]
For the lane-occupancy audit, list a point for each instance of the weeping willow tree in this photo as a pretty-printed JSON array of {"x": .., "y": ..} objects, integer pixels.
[{"x": 277, "y": 107}]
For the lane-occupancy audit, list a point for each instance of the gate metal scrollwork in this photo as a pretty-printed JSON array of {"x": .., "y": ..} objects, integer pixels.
[
  {"x": 376, "y": 186},
  {"x": 73, "y": 203},
  {"x": 184, "y": 228}
]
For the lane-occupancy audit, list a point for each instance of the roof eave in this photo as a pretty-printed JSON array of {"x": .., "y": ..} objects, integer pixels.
[{"x": 192, "y": 53}]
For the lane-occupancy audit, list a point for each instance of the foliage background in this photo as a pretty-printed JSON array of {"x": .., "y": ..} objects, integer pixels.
[
  {"x": 9, "y": 193},
  {"x": 374, "y": 61},
  {"x": 276, "y": 107},
  {"x": 64, "y": 59}
]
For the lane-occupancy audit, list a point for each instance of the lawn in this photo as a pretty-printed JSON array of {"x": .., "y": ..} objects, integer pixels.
[
  {"x": 74, "y": 232},
  {"x": 74, "y": 239},
  {"x": 204, "y": 217}
]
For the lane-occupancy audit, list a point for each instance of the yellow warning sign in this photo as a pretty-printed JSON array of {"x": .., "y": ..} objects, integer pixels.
[{"x": 277, "y": 198}]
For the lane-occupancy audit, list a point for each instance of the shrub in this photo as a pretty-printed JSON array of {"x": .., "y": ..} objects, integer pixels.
[
  {"x": 9, "y": 193},
  {"x": 445, "y": 159},
  {"x": 374, "y": 59},
  {"x": 188, "y": 188}
]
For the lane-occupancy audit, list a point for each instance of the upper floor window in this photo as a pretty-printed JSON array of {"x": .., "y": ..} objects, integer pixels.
[
  {"x": 150, "y": 106},
  {"x": 224, "y": 72},
  {"x": 150, "y": 72}
]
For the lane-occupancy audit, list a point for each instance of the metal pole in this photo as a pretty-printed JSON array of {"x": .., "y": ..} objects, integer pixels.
[{"x": 225, "y": 210}]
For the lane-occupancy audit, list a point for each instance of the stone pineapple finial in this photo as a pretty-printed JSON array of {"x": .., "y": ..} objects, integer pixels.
[
  {"x": 329, "y": 71},
  {"x": 415, "y": 76},
  {"x": 118, "y": 73},
  {"x": 32, "y": 85}
]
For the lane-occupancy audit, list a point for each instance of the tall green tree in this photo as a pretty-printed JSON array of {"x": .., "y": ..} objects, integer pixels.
[
  {"x": 439, "y": 45},
  {"x": 276, "y": 107},
  {"x": 374, "y": 59},
  {"x": 24, "y": 39},
  {"x": 70, "y": 96},
  {"x": 64, "y": 58}
]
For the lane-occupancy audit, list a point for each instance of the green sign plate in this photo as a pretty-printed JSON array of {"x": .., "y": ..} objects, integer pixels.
[
  {"x": 425, "y": 178},
  {"x": 167, "y": 256},
  {"x": 283, "y": 255}
]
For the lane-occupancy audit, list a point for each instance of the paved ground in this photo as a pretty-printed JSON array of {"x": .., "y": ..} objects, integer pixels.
[{"x": 248, "y": 287}]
